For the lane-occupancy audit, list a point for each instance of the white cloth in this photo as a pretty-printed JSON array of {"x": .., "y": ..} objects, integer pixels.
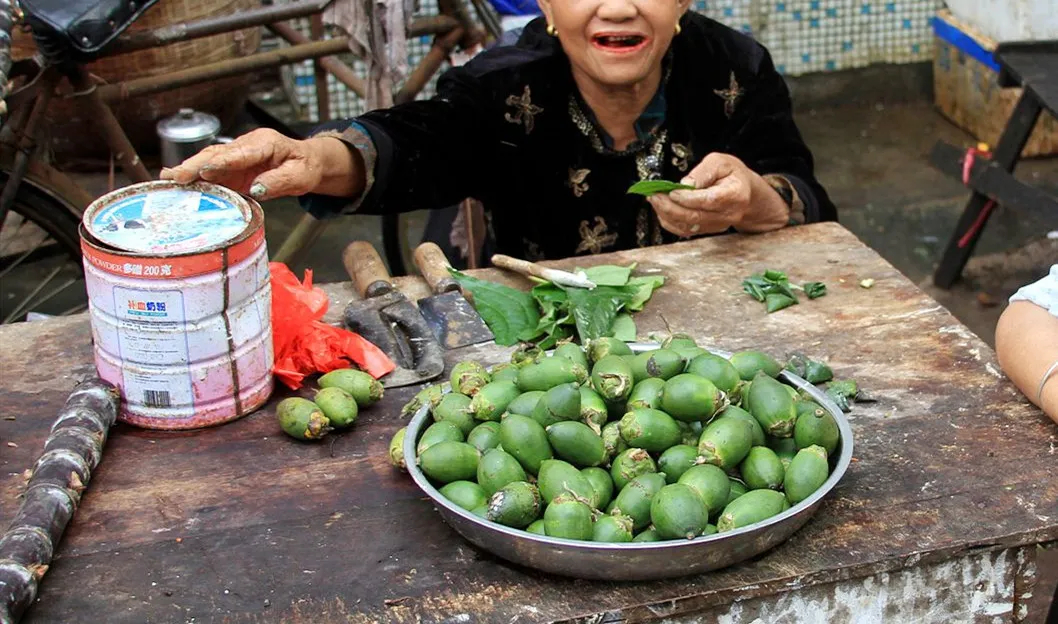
[
  {"x": 378, "y": 34},
  {"x": 1043, "y": 293}
]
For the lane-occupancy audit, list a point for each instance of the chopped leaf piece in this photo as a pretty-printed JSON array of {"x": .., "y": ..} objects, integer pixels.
[
  {"x": 609, "y": 274},
  {"x": 867, "y": 283},
  {"x": 776, "y": 302},
  {"x": 814, "y": 290},
  {"x": 775, "y": 276},
  {"x": 644, "y": 289}
]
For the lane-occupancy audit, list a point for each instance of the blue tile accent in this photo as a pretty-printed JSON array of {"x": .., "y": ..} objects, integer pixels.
[
  {"x": 780, "y": 7},
  {"x": 890, "y": 7},
  {"x": 797, "y": 16},
  {"x": 813, "y": 22},
  {"x": 832, "y": 12},
  {"x": 916, "y": 48},
  {"x": 865, "y": 9},
  {"x": 729, "y": 12},
  {"x": 747, "y": 29},
  {"x": 814, "y": 5},
  {"x": 907, "y": 24},
  {"x": 806, "y": 58},
  {"x": 846, "y": 46},
  {"x": 781, "y": 69},
  {"x": 831, "y": 65}
]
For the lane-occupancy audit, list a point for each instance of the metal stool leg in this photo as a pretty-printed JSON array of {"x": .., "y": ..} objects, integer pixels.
[{"x": 1006, "y": 154}]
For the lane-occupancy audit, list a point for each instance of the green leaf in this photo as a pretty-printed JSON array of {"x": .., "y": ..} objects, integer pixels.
[
  {"x": 645, "y": 287},
  {"x": 651, "y": 187},
  {"x": 594, "y": 310},
  {"x": 609, "y": 274},
  {"x": 846, "y": 387},
  {"x": 753, "y": 290},
  {"x": 548, "y": 292},
  {"x": 815, "y": 290},
  {"x": 511, "y": 314},
  {"x": 775, "y": 276},
  {"x": 818, "y": 372},
  {"x": 776, "y": 302},
  {"x": 624, "y": 328}
]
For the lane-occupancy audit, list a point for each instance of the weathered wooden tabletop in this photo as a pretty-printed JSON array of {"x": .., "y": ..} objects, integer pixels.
[{"x": 242, "y": 524}]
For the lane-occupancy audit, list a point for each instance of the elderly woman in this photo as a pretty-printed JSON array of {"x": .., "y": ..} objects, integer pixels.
[{"x": 550, "y": 133}]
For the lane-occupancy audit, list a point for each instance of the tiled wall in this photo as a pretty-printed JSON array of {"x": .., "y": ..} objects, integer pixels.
[{"x": 804, "y": 36}]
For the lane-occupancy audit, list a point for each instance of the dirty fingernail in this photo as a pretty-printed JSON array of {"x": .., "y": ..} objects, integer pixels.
[
  {"x": 258, "y": 190},
  {"x": 695, "y": 228},
  {"x": 689, "y": 181}
]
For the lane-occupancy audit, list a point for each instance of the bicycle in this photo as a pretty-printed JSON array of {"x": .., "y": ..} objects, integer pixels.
[{"x": 41, "y": 207}]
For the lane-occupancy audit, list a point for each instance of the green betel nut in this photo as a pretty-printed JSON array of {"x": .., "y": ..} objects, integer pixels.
[
  {"x": 573, "y": 353},
  {"x": 816, "y": 426},
  {"x": 559, "y": 403},
  {"x": 498, "y": 468},
  {"x": 649, "y": 429},
  {"x": 717, "y": 370},
  {"x": 466, "y": 494},
  {"x": 630, "y": 464},
  {"x": 677, "y": 511},
  {"x": 772, "y": 406},
  {"x": 515, "y": 505},
  {"x": 568, "y": 518},
  {"x": 725, "y": 442},
  {"x": 558, "y": 477},
  {"x": 302, "y": 419},
  {"x": 611, "y": 377},
  {"x": 396, "y": 449},
  {"x": 338, "y": 406},
  {"x": 677, "y": 460},
  {"x": 602, "y": 347},
  {"x": 485, "y": 436},
  {"x": 646, "y": 394},
  {"x": 438, "y": 432},
  {"x": 733, "y": 411},
  {"x": 550, "y": 372},
  {"x": 365, "y": 389},
  {"x": 576, "y": 443},
  {"x": 749, "y": 363},
  {"x": 492, "y": 399},
  {"x": 692, "y": 398},
  {"x": 612, "y": 529},
  {"x": 634, "y": 499},
  {"x": 455, "y": 408},
  {"x": 469, "y": 377},
  {"x": 659, "y": 363},
  {"x": 808, "y": 472},
  {"x": 601, "y": 484},
  {"x": 750, "y": 508},
  {"x": 450, "y": 461},
  {"x": 762, "y": 469},
  {"x": 711, "y": 483},
  {"x": 526, "y": 440}
]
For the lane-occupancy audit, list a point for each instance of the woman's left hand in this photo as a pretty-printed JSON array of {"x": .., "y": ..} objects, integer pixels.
[{"x": 727, "y": 194}]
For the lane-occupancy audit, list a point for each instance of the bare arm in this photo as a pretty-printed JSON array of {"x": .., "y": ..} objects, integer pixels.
[{"x": 1027, "y": 345}]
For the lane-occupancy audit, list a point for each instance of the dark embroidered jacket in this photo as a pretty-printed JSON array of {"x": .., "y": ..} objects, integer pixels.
[{"x": 510, "y": 129}]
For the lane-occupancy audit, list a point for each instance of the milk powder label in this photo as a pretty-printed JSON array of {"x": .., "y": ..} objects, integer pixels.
[
  {"x": 168, "y": 222},
  {"x": 151, "y": 331}
]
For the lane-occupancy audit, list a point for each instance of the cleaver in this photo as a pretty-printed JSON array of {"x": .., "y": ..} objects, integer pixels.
[
  {"x": 452, "y": 319},
  {"x": 386, "y": 318}
]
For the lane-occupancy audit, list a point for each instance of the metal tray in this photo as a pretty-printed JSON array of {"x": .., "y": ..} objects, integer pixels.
[{"x": 635, "y": 561}]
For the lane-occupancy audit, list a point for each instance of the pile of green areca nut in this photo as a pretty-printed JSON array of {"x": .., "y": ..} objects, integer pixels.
[{"x": 603, "y": 444}]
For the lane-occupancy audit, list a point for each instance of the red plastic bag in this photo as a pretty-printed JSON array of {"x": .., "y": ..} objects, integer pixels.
[{"x": 303, "y": 344}]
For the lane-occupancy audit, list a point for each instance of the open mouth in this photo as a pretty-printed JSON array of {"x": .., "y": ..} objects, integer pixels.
[{"x": 619, "y": 42}]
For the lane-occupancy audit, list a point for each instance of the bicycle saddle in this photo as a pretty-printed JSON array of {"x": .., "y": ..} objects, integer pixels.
[{"x": 85, "y": 27}]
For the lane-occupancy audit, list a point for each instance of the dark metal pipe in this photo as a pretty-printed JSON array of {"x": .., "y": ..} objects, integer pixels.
[
  {"x": 175, "y": 33},
  {"x": 221, "y": 69},
  {"x": 342, "y": 72},
  {"x": 115, "y": 136},
  {"x": 323, "y": 94},
  {"x": 25, "y": 143},
  {"x": 428, "y": 66}
]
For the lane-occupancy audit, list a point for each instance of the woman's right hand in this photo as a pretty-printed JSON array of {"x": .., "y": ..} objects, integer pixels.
[{"x": 264, "y": 164}]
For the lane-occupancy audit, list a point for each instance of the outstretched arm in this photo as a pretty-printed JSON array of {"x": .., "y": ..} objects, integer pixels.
[{"x": 1027, "y": 346}]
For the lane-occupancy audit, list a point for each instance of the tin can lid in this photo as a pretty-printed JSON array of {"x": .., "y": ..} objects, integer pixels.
[
  {"x": 169, "y": 220},
  {"x": 188, "y": 126}
]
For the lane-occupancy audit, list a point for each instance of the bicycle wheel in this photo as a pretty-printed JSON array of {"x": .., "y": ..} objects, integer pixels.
[{"x": 40, "y": 257}]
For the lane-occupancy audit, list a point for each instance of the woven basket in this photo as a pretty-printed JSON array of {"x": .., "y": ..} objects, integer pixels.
[{"x": 71, "y": 133}]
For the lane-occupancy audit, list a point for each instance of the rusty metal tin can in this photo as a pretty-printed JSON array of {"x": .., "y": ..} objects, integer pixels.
[{"x": 180, "y": 301}]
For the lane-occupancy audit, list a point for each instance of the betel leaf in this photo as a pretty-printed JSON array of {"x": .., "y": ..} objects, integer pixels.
[
  {"x": 511, "y": 314},
  {"x": 644, "y": 289},
  {"x": 549, "y": 292},
  {"x": 594, "y": 310},
  {"x": 652, "y": 187},
  {"x": 778, "y": 301},
  {"x": 775, "y": 276},
  {"x": 609, "y": 274},
  {"x": 624, "y": 328}
]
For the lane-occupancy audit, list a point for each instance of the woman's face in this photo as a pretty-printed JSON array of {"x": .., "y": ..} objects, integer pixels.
[{"x": 615, "y": 42}]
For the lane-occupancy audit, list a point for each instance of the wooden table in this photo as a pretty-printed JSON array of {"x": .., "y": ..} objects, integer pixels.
[{"x": 939, "y": 515}]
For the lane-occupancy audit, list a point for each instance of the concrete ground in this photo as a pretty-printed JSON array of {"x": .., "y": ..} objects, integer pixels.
[{"x": 872, "y": 158}]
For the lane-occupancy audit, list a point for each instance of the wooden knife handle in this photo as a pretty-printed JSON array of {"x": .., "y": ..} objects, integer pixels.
[
  {"x": 366, "y": 269},
  {"x": 518, "y": 266},
  {"x": 433, "y": 264}
]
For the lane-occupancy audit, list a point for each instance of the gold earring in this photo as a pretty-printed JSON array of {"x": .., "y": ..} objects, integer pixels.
[
  {"x": 551, "y": 30},
  {"x": 678, "y": 29}
]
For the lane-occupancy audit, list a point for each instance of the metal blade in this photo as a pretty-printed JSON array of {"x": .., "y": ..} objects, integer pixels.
[
  {"x": 394, "y": 325},
  {"x": 454, "y": 321}
]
